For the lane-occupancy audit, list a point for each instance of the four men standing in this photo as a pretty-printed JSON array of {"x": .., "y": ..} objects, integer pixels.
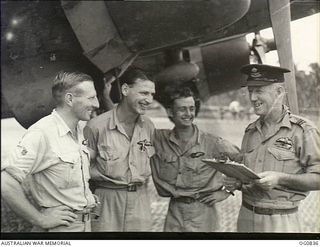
[{"x": 282, "y": 148}]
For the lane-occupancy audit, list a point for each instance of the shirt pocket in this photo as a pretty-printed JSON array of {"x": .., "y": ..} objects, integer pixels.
[
  {"x": 108, "y": 154},
  {"x": 284, "y": 160},
  {"x": 68, "y": 173},
  {"x": 190, "y": 174},
  {"x": 110, "y": 162},
  {"x": 168, "y": 169}
]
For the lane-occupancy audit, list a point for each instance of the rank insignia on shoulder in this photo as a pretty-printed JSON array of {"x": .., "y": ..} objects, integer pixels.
[
  {"x": 284, "y": 142},
  {"x": 197, "y": 155},
  {"x": 143, "y": 144}
]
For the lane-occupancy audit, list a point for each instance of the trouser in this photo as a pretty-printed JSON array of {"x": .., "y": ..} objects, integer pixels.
[
  {"x": 249, "y": 221},
  {"x": 190, "y": 216},
  {"x": 122, "y": 210}
]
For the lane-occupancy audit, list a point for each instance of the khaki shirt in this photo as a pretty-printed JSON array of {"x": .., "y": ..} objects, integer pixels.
[
  {"x": 292, "y": 146},
  {"x": 119, "y": 160},
  {"x": 55, "y": 162},
  {"x": 181, "y": 172}
]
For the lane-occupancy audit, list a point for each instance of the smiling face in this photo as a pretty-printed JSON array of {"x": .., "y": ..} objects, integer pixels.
[
  {"x": 139, "y": 95},
  {"x": 182, "y": 112},
  {"x": 84, "y": 100},
  {"x": 263, "y": 98}
]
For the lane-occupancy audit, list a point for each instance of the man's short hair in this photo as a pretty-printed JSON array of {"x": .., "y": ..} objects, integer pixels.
[
  {"x": 177, "y": 92},
  {"x": 131, "y": 75},
  {"x": 65, "y": 81}
]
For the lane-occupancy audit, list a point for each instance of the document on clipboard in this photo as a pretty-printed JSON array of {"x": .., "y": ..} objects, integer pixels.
[{"x": 232, "y": 169}]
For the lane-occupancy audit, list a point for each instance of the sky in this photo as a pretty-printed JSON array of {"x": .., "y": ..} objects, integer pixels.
[{"x": 305, "y": 38}]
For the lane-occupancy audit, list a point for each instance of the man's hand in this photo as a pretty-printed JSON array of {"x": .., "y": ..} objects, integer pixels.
[
  {"x": 214, "y": 197},
  {"x": 57, "y": 216},
  {"x": 107, "y": 87},
  {"x": 253, "y": 190},
  {"x": 106, "y": 102},
  {"x": 269, "y": 179},
  {"x": 230, "y": 183}
]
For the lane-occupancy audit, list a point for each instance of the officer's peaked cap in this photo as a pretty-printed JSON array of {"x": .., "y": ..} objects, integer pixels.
[{"x": 262, "y": 74}]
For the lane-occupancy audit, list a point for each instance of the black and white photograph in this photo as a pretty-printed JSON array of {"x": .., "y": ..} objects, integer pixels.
[{"x": 160, "y": 120}]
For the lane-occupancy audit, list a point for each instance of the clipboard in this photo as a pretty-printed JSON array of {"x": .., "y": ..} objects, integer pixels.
[{"x": 232, "y": 169}]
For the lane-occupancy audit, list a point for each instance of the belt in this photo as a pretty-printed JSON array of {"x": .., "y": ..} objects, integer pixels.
[
  {"x": 269, "y": 211},
  {"x": 131, "y": 187},
  {"x": 81, "y": 216},
  {"x": 184, "y": 199}
]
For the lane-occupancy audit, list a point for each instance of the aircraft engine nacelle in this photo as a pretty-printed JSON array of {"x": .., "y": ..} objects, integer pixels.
[
  {"x": 28, "y": 82},
  {"x": 222, "y": 62},
  {"x": 216, "y": 68}
]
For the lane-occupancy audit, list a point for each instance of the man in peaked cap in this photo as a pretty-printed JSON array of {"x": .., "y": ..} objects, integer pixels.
[
  {"x": 263, "y": 75},
  {"x": 283, "y": 149}
]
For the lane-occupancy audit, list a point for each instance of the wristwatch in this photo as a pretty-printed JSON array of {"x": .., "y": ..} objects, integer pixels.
[{"x": 228, "y": 191}]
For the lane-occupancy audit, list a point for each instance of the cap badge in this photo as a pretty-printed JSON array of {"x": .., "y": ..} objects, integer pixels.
[{"x": 255, "y": 73}]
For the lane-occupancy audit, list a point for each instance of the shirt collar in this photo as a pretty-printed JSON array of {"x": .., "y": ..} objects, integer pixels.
[
  {"x": 114, "y": 121},
  {"x": 173, "y": 138},
  {"x": 63, "y": 128},
  {"x": 283, "y": 122}
]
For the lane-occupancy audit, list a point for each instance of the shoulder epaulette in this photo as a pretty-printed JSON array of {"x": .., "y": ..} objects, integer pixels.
[{"x": 302, "y": 122}]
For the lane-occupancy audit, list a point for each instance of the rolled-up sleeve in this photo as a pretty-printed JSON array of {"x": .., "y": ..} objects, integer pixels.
[
  {"x": 310, "y": 151},
  {"x": 26, "y": 158},
  {"x": 223, "y": 146}
]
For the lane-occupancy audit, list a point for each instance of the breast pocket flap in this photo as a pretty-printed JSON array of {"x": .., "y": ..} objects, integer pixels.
[
  {"x": 280, "y": 154},
  {"x": 109, "y": 156},
  {"x": 68, "y": 158},
  {"x": 192, "y": 166},
  {"x": 168, "y": 158}
]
